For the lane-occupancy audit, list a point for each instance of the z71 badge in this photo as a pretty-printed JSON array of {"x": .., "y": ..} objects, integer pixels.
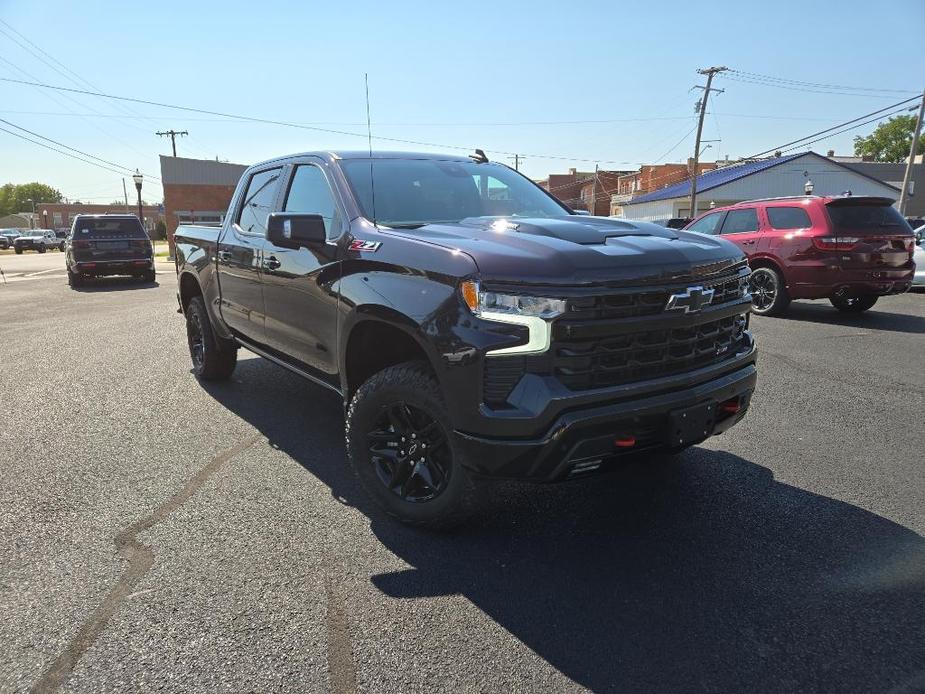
[{"x": 361, "y": 245}]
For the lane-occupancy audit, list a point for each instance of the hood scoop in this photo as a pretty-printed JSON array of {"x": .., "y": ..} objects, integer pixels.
[{"x": 587, "y": 231}]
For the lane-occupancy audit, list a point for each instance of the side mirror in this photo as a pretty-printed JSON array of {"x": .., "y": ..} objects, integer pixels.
[
  {"x": 583, "y": 213},
  {"x": 294, "y": 230}
]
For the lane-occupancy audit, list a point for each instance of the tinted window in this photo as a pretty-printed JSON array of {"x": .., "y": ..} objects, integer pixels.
[
  {"x": 866, "y": 218},
  {"x": 310, "y": 192},
  {"x": 740, "y": 221},
  {"x": 788, "y": 218},
  {"x": 414, "y": 192},
  {"x": 258, "y": 201},
  {"x": 102, "y": 228},
  {"x": 706, "y": 225}
]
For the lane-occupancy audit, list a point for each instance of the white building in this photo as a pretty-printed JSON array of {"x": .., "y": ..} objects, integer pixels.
[{"x": 767, "y": 178}]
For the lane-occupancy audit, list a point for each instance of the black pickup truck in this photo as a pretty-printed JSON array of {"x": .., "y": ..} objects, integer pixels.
[{"x": 474, "y": 325}]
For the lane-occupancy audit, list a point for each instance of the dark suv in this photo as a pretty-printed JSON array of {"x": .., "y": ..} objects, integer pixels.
[
  {"x": 848, "y": 249},
  {"x": 108, "y": 244}
]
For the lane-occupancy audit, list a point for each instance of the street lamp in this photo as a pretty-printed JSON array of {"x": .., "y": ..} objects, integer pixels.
[
  {"x": 44, "y": 219},
  {"x": 32, "y": 218},
  {"x": 808, "y": 187},
  {"x": 138, "y": 178}
]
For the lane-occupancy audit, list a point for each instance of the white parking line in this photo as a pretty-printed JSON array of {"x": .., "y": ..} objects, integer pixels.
[{"x": 42, "y": 272}]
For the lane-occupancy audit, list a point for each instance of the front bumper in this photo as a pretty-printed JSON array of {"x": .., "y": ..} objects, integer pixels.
[{"x": 581, "y": 437}]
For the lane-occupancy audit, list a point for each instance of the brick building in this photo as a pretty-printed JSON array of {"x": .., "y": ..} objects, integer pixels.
[
  {"x": 649, "y": 178},
  {"x": 60, "y": 215},
  {"x": 576, "y": 189},
  {"x": 197, "y": 191}
]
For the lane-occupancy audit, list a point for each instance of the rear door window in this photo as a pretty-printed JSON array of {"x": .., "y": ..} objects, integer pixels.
[
  {"x": 863, "y": 219},
  {"x": 788, "y": 218},
  {"x": 258, "y": 202},
  {"x": 740, "y": 221},
  {"x": 109, "y": 228},
  {"x": 707, "y": 224}
]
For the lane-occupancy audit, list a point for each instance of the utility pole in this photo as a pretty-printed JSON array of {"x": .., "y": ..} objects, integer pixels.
[
  {"x": 594, "y": 192},
  {"x": 172, "y": 134},
  {"x": 517, "y": 159},
  {"x": 709, "y": 72},
  {"x": 907, "y": 179},
  {"x": 125, "y": 193}
]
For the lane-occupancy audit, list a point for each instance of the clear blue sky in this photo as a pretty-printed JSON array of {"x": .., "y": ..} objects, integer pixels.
[{"x": 469, "y": 74}]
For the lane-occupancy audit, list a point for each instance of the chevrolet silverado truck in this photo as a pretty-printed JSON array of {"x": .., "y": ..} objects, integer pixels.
[{"x": 474, "y": 325}]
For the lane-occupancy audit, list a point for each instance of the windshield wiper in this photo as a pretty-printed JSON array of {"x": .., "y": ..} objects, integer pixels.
[{"x": 410, "y": 225}]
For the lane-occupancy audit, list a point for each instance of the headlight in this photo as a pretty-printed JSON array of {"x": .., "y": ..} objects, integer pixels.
[{"x": 535, "y": 312}]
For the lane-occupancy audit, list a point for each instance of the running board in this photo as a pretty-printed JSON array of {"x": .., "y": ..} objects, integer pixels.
[{"x": 286, "y": 365}]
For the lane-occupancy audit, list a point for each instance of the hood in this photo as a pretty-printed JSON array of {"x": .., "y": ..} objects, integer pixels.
[{"x": 582, "y": 250}]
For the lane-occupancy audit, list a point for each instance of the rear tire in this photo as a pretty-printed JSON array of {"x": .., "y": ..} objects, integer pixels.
[
  {"x": 42, "y": 248},
  {"x": 425, "y": 483},
  {"x": 19, "y": 251},
  {"x": 74, "y": 279},
  {"x": 213, "y": 358},
  {"x": 769, "y": 295},
  {"x": 853, "y": 304},
  {"x": 149, "y": 277},
  {"x": 61, "y": 246}
]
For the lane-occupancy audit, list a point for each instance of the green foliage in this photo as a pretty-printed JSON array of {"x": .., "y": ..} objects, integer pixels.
[
  {"x": 160, "y": 229},
  {"x": 13, "y": 197},
  {"x": 890, "y": 141}
]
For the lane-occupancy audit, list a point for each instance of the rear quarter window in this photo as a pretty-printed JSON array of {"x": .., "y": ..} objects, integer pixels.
[{"x": 788, "y": 218}]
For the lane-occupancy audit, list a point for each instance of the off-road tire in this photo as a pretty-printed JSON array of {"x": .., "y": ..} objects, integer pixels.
[
  {"x": 769, "y": 293},
  {"x": 412, "y": 383},
  {"x": 19, "y": 251},
  {"x": 217, "y": 358},
  {"x": 42, "y": 248},
  {"x": 853, "y": 304}
]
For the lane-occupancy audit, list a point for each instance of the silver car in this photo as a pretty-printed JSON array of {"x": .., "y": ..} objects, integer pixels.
[{"x": 919, "y": 257}]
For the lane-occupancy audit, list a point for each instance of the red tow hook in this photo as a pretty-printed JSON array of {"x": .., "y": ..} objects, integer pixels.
[
  {"x": 624, "y": 441},
  {"x": 731, "y": 406}
]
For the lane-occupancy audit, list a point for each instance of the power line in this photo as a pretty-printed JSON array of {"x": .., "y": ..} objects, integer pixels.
[
  {"x": 270, "y": 121},
  {"x": 795, "y": 88},
  {"x": 770, "y": 78},
  {"x": 67, "y": 154}
]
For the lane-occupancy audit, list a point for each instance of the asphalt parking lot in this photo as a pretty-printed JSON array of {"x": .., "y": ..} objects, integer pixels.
[{"x": 156, "y": 533}]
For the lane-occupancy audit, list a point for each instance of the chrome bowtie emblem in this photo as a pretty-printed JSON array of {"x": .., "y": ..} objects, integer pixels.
[{"x": 690, "y": 300}]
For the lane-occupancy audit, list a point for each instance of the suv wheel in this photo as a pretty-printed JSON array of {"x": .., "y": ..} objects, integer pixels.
[
  {"x": 853, "y": 304},
  {"x": 74, "y": 279},
  {"x": 18, "y": 250},
  {"x": 42, "y": 248},
  {"x": 401, "y": 448},
  {"x": 61, "y": 246},
  {"x": 769, "y": 296},
  {"x": 213, "y": 358}
]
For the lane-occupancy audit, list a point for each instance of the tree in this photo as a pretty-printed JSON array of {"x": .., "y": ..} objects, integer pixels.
[
  {"x": 890, "y": 141},
  {"x": 13, "y": 197}
]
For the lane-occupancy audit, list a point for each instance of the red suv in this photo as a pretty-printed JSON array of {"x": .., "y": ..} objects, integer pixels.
[{"x": 849, "y": 250}]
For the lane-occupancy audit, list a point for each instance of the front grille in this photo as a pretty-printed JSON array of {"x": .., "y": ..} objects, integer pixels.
[
  {"x": 639, "y": 356},
  {"x": 635, "y": 303}
]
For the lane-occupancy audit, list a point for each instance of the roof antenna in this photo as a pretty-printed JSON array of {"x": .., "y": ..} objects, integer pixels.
[
  {"x": 369, "y": 135},
  {"x": 479, "y": 157}
]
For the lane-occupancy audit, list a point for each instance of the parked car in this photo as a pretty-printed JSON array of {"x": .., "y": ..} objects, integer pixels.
[
  {"x": 7, "y": 236},
  {"x": 40, "y": 240},
  {"x": 108, "y": 244},
  {"x": 919, "y": 257},
  {"x": 848, "y": 249},
  {"x": 473, "y": 324}
]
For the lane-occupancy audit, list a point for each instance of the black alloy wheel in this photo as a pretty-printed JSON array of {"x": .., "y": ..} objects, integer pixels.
[
  {"x": 197, "y": 346},
  {"x": 409, "y": 452},
  {"x": 769, "y": 296}
]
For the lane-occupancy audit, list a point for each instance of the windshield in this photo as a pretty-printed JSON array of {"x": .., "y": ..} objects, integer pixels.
[
  {"x": 100, "y": 228},
  {"x": 866, "y": 217},
  {"x": 414, "y": 192}
]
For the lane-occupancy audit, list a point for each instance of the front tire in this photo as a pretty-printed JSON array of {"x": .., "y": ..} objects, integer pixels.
[
  {"x": 853, "y": 304},
  {"x": 214, "y": 359},
  {"x": 18, "y": 251},
  {"x": 42, "y": 248},
  {"x": 769, "y": 295},
  {"x": 401, "y": 446}
]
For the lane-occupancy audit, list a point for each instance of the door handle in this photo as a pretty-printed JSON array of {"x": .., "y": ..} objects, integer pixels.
[
  {"x": 224, "y": 255},
  {"x": 748, "y": 243},
  {"x": 272, "y": 263}
]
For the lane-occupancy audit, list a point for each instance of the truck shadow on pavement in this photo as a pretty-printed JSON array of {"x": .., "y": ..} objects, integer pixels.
[
  {"x": 706, "y": 575},
  {"x": 873, "y": 319}
]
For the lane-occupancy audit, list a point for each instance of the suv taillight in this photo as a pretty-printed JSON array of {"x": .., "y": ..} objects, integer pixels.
[
  {"x": 81, "y": 244},
  {"x": 835, "y": 243}
]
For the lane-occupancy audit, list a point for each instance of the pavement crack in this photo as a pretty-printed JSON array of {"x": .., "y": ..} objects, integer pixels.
[
  {"x": 140, "y": 558},
  {"x": 341, "y": 668}
]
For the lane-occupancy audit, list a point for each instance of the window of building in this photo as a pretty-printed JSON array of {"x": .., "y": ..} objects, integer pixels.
[
  {"x": 57, "y": 219},
  {"x": 258, "y": 202},
  {"x": 788, "y": 218},
  {"x": 740, "y": 221}
]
